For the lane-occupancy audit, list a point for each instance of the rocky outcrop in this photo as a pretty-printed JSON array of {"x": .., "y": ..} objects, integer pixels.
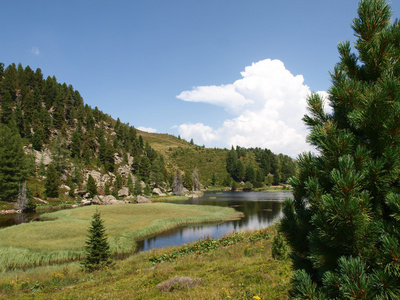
[
  {"x": 141, "y": 199},
  {"x": 124, "y": 192},
  {"x": 158, "y": 192}
]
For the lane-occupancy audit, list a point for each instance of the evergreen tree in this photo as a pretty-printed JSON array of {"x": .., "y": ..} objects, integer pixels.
[
  {"x": 91, "y": 186},
  {"x": 343, "y": 224},
  {"x": 187, "y": 181},
  {"x": 138, "y": 187},
  {"x": 7, "y": 106},
  {"x": 13, "y": 164},
  {"x": 52, "y": 181},
  {"x": 98, "y": 254}
]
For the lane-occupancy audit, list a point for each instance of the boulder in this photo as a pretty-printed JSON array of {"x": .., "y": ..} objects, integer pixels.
[
  {"x": 158, "y": 192},
  {"x": 108, "y": 199},
  {"x": 96, "y": 200},
  {"x": 141, "y": 199},
  {"x": 124, "y": 192},
  {"x": 178, "y": 282}
]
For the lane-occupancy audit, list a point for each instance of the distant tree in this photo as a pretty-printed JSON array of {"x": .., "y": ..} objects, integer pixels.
[
  {"x": 91, "y": 186},
  {"x": 248, "y": 186},
  {"x": 156, "y": 172},
  {"x": 7, "y": 106},
  {"x": 187, "y": 181},
  {"x": 130, "y": 184},
  {"x": 13, "y": 164},
  {"x": 213, "y": 179},
  {"x": 138, "y": 186},
  {"x": 52, "y": 181},
  {"x": 196, "y": 180},
  {"x": 250, "y": 174},
  {"x": 177, "y": 186},
  {"x": 97, "y": 249}
]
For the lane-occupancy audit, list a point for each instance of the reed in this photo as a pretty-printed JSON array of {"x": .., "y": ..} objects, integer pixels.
[{"x": 62, "y": 237}]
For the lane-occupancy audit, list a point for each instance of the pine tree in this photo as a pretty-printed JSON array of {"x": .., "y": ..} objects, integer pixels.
[
  {"x": 98, "y": 254},
  {"x": 52, "y": 181},
  {"x": 13, "y": 164},
  {"x": 91, "y": 186},
  {"x": 343, "y": 222}
]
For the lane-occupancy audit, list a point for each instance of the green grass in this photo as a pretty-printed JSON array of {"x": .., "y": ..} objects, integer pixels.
[
  {"x": 62, "y": 237},
  {"x": 240, "y": 267}
]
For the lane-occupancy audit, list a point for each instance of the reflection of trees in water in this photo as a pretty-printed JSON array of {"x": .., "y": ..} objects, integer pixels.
[
  {"x": 258, "y": 211},
  {"x": 21, "y": 218}
]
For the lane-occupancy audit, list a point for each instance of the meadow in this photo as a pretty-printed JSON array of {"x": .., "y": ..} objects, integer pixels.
[
  {"x": 60, "y": 238},
  {"x": 237, "y": 266}
]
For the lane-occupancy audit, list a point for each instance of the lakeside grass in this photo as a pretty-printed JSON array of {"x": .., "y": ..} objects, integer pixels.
[
  {"x": 241, "y": 267},
  {"x": 62, "y": 237}
]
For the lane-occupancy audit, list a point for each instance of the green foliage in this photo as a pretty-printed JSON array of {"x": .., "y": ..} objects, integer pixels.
[
  {"x": 13, "y": 164},
  {"x": 343, "y": 222},
  {"x": 91, "y": 186},
  {"x": 207, "y": 244},
  {"x": 52, "y": 181},
  {"x": 98, "y": 253},
  {"x": 280, "y": 249}
]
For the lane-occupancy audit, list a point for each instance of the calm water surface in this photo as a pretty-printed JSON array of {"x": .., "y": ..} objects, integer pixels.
[{"x": 260, "y": 209}]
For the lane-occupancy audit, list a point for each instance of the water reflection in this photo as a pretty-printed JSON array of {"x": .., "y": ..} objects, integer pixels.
[
  {"x": 15, "y": 219},
  {"x": 260, "y": 210}
]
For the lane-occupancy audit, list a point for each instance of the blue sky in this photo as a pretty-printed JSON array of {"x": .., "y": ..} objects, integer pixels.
[{"x": 221, "y": 72}]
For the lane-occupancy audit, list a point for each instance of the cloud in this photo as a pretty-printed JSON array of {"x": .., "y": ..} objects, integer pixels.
[
  {"x": 35, "y": 50},
  {"x": 267, "y": 105},
  {"x": 148, "y": 129}
]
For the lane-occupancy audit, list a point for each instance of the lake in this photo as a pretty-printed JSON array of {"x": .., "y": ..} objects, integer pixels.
[{"x": 260, "y": 209}]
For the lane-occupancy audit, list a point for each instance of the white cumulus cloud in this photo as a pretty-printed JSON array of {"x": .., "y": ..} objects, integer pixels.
[
  {"x": 267, "y": 105},
  {"x": 147, "y": 129}
]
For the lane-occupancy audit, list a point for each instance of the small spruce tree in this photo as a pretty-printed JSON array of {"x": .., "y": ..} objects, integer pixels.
[{"x": 98, "y": 254}]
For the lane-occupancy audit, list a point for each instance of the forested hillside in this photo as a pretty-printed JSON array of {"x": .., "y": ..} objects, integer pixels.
[{"x": 66, "y": 150}]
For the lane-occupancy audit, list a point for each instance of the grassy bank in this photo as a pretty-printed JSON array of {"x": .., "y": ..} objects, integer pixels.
[
  {"x": 239, "y": 266},
  {"x": 62, "y": 237}
]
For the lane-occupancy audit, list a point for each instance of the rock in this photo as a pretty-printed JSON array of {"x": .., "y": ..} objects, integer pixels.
[
  {"x": 87, "y": 195},
  {"x": 124, "y": 192},
  {"x": 9, "y": 211},
  {"x": 178, "y": 282},
  {"x": 107, "y": 199},
  {"x": 124, "y": 170},
  {"x": 113, "y": 202},
  {"x": 86, "y": 202},
  {"x": 66, "y": 187},
  {"x": 130, "y": 198},
  {"x": 79, "y": 192},
  {"x": 158, "y": 192},
  {"x": 75, "y": 206},
  {"x": 96, "y": 200},
  {"x": 141, "y": 199}
]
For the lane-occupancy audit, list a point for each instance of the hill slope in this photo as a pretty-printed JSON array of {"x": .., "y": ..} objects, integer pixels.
[{"x": 69, "y": 141}]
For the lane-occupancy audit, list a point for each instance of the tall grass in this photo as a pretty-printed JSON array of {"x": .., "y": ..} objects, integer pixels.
[{"x": 62, "y": 237}]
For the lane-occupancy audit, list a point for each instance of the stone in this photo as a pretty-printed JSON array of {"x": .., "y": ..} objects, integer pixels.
[
  {"x": 107, "y": 199},
  {"x": 96, "y": 200},
  {"x": 178, "y": 282},
  {"x": 124, "y": 192},
  {"x": 141, "y": 199},
  {"x": 158, "y": 192}
]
